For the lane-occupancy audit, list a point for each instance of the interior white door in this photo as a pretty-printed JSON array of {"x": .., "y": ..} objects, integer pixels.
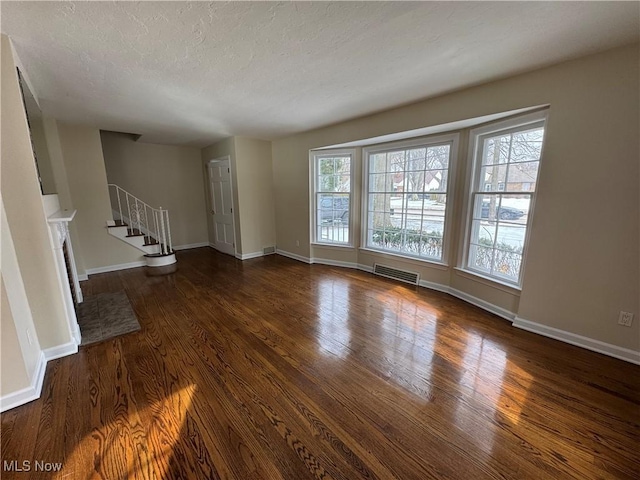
[{"x": 222, "y": 205}]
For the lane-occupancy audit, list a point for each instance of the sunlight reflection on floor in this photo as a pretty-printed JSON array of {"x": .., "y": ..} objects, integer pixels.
[{"x": 161, "y": 425}]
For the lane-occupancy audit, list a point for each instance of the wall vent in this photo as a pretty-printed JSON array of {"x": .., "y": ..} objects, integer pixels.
[
  {"x": 396, "y": 274},
  {"x": 268, "y": 250}
]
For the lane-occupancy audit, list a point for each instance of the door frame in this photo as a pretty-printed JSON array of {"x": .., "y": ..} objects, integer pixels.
[{"x": 233, "y": 206}]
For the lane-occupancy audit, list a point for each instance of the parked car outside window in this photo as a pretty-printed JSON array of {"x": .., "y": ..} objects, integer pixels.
[
  {"x": 504, "y": 212},
  {"x": 334, "y": 209}
]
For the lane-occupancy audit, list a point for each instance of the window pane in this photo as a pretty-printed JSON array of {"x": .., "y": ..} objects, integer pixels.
[
  {"x": 380, "y": 202},
  {"x": 496, "y": 150},
  {"x": 507, "y": 263},
  {"x": 326, "y": 166},
  {"x": 412, "y": 244},
  {"x": 486, "y": 206},
  {"x": 379, "y": 220},
  {"x": 527, "y": 146},
  {"x": 515, "y": 208},
  {"x": 413, "y": 222},
  {"x": 376, "y": 238},
  {"x": 378, "y": 163},
  {"x": 435, "y": 180},
  {"x": 480, "y": 258},
  {"x": 438, "y": 157},
  {"x": 491, "y": 176},
  {"x": 379, "y": 182},
  {"x": 483, "y": 232},
  {"x": 435, "y": 203},
  {"x": 396, "y": 161},
  {"x": 328, "y": 183},
  {"x": 510, "y": 236},
  {"x": 522, "y": 177},
  {"x": 431, "y": 246}
]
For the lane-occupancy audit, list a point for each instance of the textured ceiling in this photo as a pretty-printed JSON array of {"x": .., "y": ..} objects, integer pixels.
[{"x": 193, "y": 72}]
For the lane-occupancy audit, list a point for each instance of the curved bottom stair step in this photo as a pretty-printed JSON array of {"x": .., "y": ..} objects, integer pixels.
[{"x": 160, "y": 259}]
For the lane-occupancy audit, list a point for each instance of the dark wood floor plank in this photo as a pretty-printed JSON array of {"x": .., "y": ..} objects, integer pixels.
[{"x": 274, "y": 369}]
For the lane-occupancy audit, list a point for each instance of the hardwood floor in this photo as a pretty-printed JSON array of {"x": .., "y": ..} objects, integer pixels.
[{"x": 273, "y": 369}]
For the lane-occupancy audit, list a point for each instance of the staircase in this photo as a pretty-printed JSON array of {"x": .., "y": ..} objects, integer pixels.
[{"x": 141, "y": 226}]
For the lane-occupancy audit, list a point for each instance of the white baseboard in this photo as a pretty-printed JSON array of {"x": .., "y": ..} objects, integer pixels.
[
  {"x": 247, "y": 256},
  {"x": 32, "y": 392},
  {"x": 489, "y": 307},
  {"x": 27, "y": 394},
  {"x": 83, "y": 277},
  {"x": 334, "y": 263},
  {"x": 438, "y": 287},
  {"x": 294, "y": 256},
  {"x": 191, "y": 245},
  {"x": 60, "y": 351},
  {"x": 115, "y": 268},
  {"x": 621, "y": 353}
]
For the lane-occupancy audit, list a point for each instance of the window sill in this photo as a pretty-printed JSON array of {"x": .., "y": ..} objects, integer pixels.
[
  {"x": 339, "y": 245},
  {"x": 431, "y": 263},
  {"x": 490, "y": 282}
]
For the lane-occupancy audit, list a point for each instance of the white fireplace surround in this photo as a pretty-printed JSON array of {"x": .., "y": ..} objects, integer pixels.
[{"x": 59, "y": 226}]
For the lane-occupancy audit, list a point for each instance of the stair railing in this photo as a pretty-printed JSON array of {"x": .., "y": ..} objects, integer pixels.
[{"x": 140, "y": 216}]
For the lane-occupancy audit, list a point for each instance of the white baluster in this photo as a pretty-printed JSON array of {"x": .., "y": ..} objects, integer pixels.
[
  {"x": 119, "y": 204},
  {"x": 164, "y": 238},
  {"x": 129, "y": 211},
  {"x": 169, "y": 233},
  {"x": 155, "y": 220}
]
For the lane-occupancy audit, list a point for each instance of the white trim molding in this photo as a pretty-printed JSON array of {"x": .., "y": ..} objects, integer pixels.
[
  {"x": 294, "y": 256},
  {"x": 335, "y": 263},
  {"x": 115, "y": 268},
  {"x": 438, "y": 287},
  {"x": 632, "y": 356},
  {"x": 489, "y": 307},
  {"x": 27, "y": 394},
  {"x": 60, "y": 351},
  {"x": 191, "y": 245},
  {"x": 33, "y": 391},
  {"x": 247, "y": 256}
]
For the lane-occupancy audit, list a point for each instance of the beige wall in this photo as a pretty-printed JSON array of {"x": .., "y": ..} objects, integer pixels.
[
  {"x": 19, "y": 347},
  {"x": 61, "y": 182},
  {"x": 44, "y": 162},
  {"x": 13, "y": 373},
  {"x": 162, "y": 176},
  {"x": 255, "y": 195},
  {"x": 87, "y": 181},
  {"x": 583, "y": 255},
  {"x": 223, "y": 148},
  {"x": 25, "y": 214}
]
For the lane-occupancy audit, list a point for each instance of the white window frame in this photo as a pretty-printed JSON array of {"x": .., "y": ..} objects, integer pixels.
[
  {"x": 476, "y": 137},
  {"x": 314, "y": 157},
  {"x": 453, "y": 139}
]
